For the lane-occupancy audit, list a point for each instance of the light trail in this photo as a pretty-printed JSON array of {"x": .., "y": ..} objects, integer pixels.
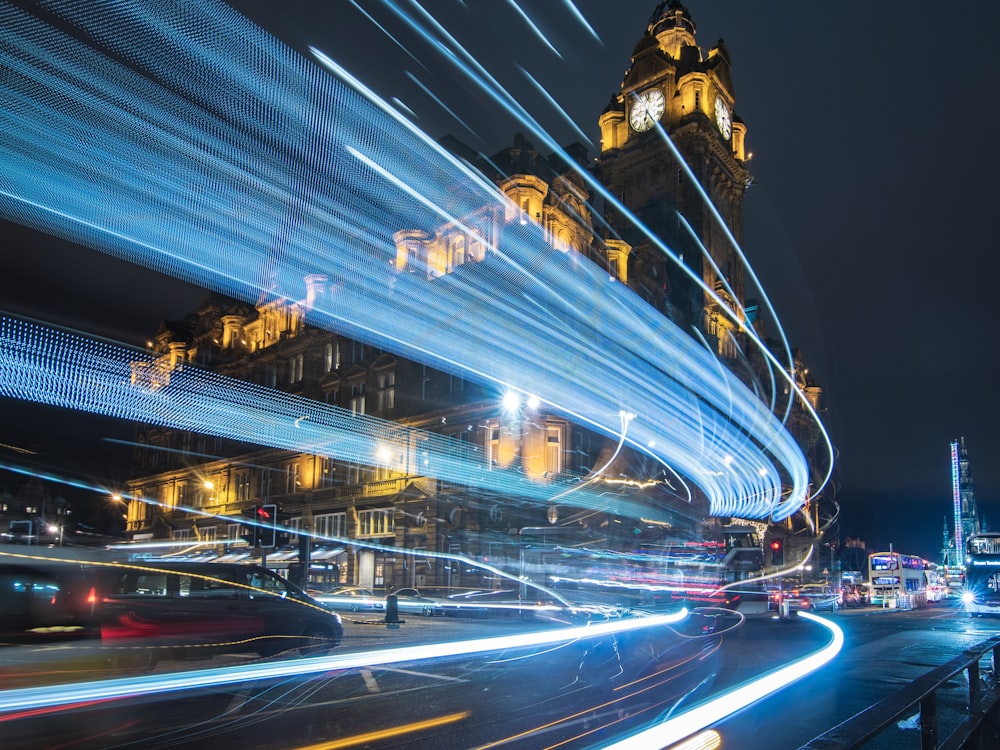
[
  {"x": 391, "y": 733},
  {"x": 715, "y": 710},
  {"x": 255, "y": 192},
  {"x": 87, "y": 692}
]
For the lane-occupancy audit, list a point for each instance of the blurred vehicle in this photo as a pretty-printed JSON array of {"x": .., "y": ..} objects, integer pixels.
[
  {"x": 47, "y": 599},
  {"x": 149, "y": 609},
  {"x": 851, "y": 596},
  {"x": 777, "y": 589},
  {"x": 412, "y": 601},
  {"x": 352, "y": 599},
  {"x": 811, "y": 597}
]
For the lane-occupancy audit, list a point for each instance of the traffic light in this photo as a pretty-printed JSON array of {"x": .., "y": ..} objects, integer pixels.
[
  {"x": 267, "y": 518},
  {"x": 249, "y": 530},
  {"x": 777, "y": 552}
]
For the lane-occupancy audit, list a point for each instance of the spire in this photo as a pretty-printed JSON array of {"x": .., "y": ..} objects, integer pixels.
[{"x": 672, "y": 27}]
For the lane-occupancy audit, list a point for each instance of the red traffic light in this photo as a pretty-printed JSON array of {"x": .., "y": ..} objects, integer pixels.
[
  {"x": 776, "y": 544},
  {"x": 263, "y": 514}
]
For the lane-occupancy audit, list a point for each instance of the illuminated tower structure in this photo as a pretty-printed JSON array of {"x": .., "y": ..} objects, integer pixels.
[
  {"x": 672, "y": 84},
  {"x": 963, "y": 499},
  {"x": 688, "y": 190}
]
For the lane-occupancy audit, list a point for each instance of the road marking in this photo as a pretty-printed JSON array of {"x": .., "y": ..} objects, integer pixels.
[{"x": 370, "y": 682}]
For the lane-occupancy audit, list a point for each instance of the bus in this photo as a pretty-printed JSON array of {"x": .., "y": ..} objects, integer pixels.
[
  {"x": 896, "y": 580},
  {"x": 982, "y": 574}
]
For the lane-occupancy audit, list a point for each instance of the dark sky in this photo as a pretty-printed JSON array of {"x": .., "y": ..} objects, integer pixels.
[{"x": 870, "y": 220}]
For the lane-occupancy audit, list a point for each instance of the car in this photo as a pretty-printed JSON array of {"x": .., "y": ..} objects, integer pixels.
[
  {"x": 777, "y": 589},
  {"x": 352, "y": 599},
  {"x": 822, "y": 597},
  {"x": 151, "y": 608},
  {"x": 410, "y": 600},
  {"x": 811, "y": 597},
  {"x": 851, "y": 596}
]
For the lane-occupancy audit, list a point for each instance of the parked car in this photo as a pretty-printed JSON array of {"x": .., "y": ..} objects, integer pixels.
[
  {"x": 410, "y": 600},
  {"x": 150, "y": 609},
  {"x": 352, "y": 599}
]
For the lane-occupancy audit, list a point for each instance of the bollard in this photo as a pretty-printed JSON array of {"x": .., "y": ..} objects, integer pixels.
[{"x": 392, "y": 612}]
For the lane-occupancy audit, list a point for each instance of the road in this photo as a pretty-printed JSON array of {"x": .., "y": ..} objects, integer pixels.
[{"x": 584, "y": 693}]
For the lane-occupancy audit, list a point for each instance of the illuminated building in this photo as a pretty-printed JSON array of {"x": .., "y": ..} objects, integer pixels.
[{"x": 368, "y": 510}]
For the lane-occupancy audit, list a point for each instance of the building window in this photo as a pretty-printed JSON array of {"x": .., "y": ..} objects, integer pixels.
[
  {"x": 270, "y": 376},
  {"x": 295, "y": 366},
  {"x": 332, "y": 396},
  {"x": 182, "y": 535},
  {"x": 207, "y": 534},
  {"x": 553, "y": 450},
  {"x": 386, "y": 390},
  {"x": 265, "y": 485},
  {"x": 456, "y": 383},
  {"x": 357, "y": 404},
  {"x": 327, "y": 472},
  {"x": 233, "y": 532},
  {"x": 376, "y": 522},
  {"x": 292, "y": 480},
  {"x": 697, "y": 101},
  {"x": 492, "y": 445},
  {"x": 330, "y": 525},
  {"x": 357, "y": 352},
  {"x": 331, "y": 357},
  {"x": 242, "y": 486}
]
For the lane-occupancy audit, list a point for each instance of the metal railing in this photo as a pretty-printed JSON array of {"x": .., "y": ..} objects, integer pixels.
[{"x": 979, "y": 728}]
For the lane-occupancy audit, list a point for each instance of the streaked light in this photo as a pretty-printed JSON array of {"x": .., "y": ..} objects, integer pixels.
[
  {"x": 86, "y": 692},
  {"x": 715, "y": 710}
]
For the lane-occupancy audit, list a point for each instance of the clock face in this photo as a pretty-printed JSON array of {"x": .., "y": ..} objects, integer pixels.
[
  {"x": 722, "y": 118},
  {"x": 647, "y": 109}
]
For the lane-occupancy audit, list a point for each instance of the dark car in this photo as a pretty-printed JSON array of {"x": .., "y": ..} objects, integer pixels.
[
  {"x": 190, "y": 609},
  {"x": 46, "y": 599}
]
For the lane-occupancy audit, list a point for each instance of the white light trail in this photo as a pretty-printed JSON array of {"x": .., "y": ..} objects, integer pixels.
[
  {"x": 103, "y": 690},
  {"x": 715, "y": 710}
]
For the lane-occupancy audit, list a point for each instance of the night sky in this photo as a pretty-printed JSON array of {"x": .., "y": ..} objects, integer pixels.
[{"x": 869, "y": 221}]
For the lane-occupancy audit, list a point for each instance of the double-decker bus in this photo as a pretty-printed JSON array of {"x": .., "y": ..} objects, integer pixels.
[
  {"x": 895, "y": 579},
  {"x": 982, "y": 574}
]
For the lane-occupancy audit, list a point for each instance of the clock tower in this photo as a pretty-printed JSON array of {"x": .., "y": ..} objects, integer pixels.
[{"x": 674, "y": 90}]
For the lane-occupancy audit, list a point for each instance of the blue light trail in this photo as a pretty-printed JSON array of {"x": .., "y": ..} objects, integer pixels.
[{"x": 186, "y": 139}]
